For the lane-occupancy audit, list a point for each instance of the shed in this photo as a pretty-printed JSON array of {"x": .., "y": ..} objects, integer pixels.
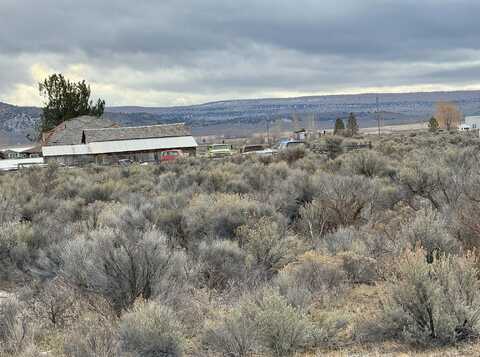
[{"x": 111, "y": 144}]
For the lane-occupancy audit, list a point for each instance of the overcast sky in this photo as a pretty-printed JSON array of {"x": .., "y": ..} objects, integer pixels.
[{"x": 175, "y": 52}]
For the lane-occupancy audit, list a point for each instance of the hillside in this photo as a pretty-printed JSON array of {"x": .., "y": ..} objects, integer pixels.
[{"x": 239, "y": 117}]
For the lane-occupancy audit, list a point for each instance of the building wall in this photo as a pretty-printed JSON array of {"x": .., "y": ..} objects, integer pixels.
[
  {"x": 111, "y": 159},
  {"x": 473, "y": 121}
]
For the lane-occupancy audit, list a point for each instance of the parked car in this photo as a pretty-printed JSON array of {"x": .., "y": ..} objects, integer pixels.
[
  {"x": 290, "y": 144},
  {"x": 259, "y": 150},
  {"x": 220, "y": 150},
  {"x": 171, "y": 155},
  {"x": 125, "y": 162}
]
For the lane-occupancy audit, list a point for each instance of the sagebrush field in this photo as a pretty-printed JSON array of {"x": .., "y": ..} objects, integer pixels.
[{"x": 365, "y": 252}]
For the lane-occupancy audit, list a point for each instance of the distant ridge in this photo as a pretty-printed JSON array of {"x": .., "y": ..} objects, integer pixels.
[{"x": 243, "y": 116}]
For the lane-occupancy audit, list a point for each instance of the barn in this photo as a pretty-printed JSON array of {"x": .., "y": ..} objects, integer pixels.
[{"x": 88, "y": 140}]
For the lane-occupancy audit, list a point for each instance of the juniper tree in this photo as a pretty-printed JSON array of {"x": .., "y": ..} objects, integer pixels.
[
  {"x": 433, "y": 124},
  {"x": 339, "y": 127},
  {"x": 66, "y": 100},
  {"x": 352, "y": 125}
]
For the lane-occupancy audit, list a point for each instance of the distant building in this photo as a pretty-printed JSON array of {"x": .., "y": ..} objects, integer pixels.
[
  {"x": 94, "y": 140},
  {"x": 300, "y": 134},
  {"x": 473, "y": 122},
  {"x": 20, "y": 152}
]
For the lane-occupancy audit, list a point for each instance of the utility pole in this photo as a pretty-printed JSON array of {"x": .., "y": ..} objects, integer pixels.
[
  {"x": 378, "y": 116},
  {"x": 268, "y": 132}
]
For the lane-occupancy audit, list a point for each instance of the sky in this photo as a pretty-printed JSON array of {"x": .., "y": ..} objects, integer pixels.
[{"x": 182, "y": 52}]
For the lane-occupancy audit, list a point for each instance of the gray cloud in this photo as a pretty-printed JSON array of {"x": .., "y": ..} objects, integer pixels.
[{"x": 181, "y": 51}]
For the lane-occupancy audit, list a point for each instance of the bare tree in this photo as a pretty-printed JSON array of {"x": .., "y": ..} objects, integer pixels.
[{"x": 448, "y": 115}]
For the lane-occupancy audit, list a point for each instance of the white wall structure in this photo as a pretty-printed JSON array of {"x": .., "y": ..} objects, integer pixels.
[
  {"x": 473, "y": 122},
  {"x": 7, "y": 165}
]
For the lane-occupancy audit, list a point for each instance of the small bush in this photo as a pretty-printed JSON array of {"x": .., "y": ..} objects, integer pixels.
[
  {"x": 92, "y": 337},
  {"x": 429, "y": 230},
  {"x": 345, "y": 201},
  {"x": 218, "y": 216},
  {"x": 117, "y": 267},
  {"x": 14, "y": 252},
  {"x": 282, "y": 329},
  {"x": 313, "y": 276},
  {"x": 222, "y": 263},
  {"x": 435, "y": 302},
  {"x": 15, "y": 330},
  {"x": 233, "y": 335},
  {"x": 268, "y": 245},
  {"x": 343, "y": 240},
  {"x": 359, "y": 269},
  {"x": 292, "y": 155},
  {"x": 151, "y": 330},
  {"x": 366, "y": 163}
]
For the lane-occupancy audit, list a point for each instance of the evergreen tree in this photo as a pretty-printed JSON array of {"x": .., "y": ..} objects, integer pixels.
[
  {"x": 433, "y": 124},
  {"x": 352, "y": 125},
  {"x": 339, "y": 127},
  {"x": 66, "y": 100}
]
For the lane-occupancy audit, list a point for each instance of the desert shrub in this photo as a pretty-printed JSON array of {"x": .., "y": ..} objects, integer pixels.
[
  {"x": 438, "y": 179},
  {"x": 268, "y": 245},
  {"x": 367, "y": 163},
  {"x": 313, "y": 222},
  {"x": 99, "y": 191},
  {"x": 233, "y": 334},
  {"x": 292, "y": 154},
  {"x": 222, "y": 263},
  {"x": 313, "y": 276},
  {"x": 282, "y": 328},
  {"x": 151, "y": 330},
  {"x": 435, "y": 302},
  {"x": 166, "y": 214},
  {"x": 345, "y": 200},
  {"x": 291, "y": 194},
  {"x": 217, "y": 179},
  {"x": 260, "y": 177},
  {"x": 14, "y": 252},
  {"x": 117, "y": 267},
  {"x": 266, "y": 322},
  {"x": 92, "y": 336},
  {"x": 334, "y": 146},
  {"x": 342, "y": 240},
  {"x": 218, "y": 216},
  {"x": 53, "y": 303},
  {"x": 429, "y": 230},
  {"x": 16, "y": 332},
  {"x": 9, "y": 208},
  {"x": 358, "y": 268}
]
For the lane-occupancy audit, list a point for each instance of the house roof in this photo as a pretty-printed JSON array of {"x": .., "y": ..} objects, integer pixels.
[
  {"x": 134, "y": 133},
  {"x": 70, "y": 132},
  {"x": 18, "y": 149},
  {"x": 117, "y": 146}
]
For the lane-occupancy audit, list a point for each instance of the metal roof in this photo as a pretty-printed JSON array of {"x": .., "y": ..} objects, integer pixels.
[
  {"x": 18, "y": 149},
  {"x": 6, "y": 165},
  {"x": 117, "y": 146},
  {"x": 137, "y": 132},
  {"x": 70, "y": 132}
]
